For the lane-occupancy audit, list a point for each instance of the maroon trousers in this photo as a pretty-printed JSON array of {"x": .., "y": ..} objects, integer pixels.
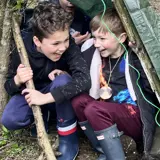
[{"x": 102, "y": 115}]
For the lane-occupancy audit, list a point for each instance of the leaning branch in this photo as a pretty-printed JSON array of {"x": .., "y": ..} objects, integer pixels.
[{"x": 42, "y": 136}]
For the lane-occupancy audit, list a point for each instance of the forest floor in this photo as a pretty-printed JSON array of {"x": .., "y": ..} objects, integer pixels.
[{"x": 20, "y": 145}]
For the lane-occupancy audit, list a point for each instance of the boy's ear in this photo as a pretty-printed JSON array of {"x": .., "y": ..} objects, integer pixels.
[
  {"x": 123, "y": 37},
  {"x": 36, "y": 41}
]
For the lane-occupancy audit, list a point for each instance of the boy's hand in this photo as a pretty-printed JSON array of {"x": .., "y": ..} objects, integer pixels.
[
  {"x": 34, "y": 97},
  {"x": 133, "y": 46},
  {"x": 23, "y": 75},
  {"x": 53, "y": 74},
  {"x": 81, "y": 38}
]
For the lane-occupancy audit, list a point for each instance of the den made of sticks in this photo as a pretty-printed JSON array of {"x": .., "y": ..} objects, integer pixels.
[{"x": 141, "y": 21}]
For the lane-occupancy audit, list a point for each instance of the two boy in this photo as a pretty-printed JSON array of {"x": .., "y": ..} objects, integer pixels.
[
  {"x": 51, "y": 51},
  {"x": 124, "y": 110}
]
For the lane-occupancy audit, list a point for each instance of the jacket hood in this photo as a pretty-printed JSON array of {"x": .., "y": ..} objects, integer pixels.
[{"x": 30, "y": 46}]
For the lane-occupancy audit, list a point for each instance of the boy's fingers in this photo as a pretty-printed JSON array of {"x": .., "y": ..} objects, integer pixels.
[
  {"x": 21, "y": 66},
  {"x": 76, "y": 34},
  {"x": 132, "y": 44},
  {"x": 84, "y": 36},
  {"x": 51, "y": 76},
  {"x": 25, "y": 91},
  {"x": 27, "y": 96},
  {"x": 56, "y": 71},
  {"x": 89, "y": 36}
]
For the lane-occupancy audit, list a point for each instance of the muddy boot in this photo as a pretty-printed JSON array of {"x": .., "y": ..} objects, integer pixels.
[
  {"x": 109, "y": 140},
  {"x": 85, "y": 126}
]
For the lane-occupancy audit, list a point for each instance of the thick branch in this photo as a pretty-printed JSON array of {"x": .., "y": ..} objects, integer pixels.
[{"x": 42, "y": 136}]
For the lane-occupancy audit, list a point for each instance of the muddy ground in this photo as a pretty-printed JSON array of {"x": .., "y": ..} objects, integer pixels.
[{"x": 20, "y": 146}]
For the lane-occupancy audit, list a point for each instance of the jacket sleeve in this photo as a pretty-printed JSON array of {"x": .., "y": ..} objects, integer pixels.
[
  {"x": 81, "y": 81},
  {"x": 10, "y": 85}
]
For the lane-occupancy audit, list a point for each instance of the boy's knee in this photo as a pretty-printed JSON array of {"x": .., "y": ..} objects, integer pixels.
[
  {"x": 61, "y": 80},
  {"x": 81, "y": 100},
  {"x": 8, "y": 122},
  {"x": 90, "y": 110},
  {"x": 77, "y": 101},
  {"x": 14, "y": 122}
]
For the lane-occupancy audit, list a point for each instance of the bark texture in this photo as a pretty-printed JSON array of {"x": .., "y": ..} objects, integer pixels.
[{"x": 4, "y": 54}]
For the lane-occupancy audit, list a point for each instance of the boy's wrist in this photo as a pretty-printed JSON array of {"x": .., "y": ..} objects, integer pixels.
[{"x": 49, "y": 98}]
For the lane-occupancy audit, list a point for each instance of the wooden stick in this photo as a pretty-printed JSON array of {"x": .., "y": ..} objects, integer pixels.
[{"x": 42, "y": 136}]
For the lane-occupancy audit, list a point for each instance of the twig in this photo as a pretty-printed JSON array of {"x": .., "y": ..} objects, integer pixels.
[
  {"x": 6, "y": 146},
  {"x": 54, "y": 147}
]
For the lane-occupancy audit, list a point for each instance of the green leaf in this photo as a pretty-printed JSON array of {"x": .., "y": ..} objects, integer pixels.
[
  {"x": 19, "y": 4},
  {"x": 3, "y": 142},
  {"x": 4, "y": 129}
]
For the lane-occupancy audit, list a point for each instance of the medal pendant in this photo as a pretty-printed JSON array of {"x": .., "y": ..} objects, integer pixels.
[{"x": 105, "y": 92}]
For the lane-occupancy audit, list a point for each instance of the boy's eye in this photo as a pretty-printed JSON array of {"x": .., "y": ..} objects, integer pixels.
[
  {"x": 67, "y": 40},
  {"x": 103, "y": 39},
  {"x": 55, "y": 44}
]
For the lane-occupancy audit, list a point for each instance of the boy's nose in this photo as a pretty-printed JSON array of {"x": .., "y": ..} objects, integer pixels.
[
  {"x": 96, "y": 44},
  {"x": 63, "y": 48}
]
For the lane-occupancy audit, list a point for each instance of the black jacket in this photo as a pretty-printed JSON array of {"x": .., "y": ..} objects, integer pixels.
[
  {"x": 71, "y": 61},
  {"x": 147, "y": 111}
]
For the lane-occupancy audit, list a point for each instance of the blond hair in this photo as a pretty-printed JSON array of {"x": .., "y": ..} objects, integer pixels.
[{"x": 111, "y": 19}]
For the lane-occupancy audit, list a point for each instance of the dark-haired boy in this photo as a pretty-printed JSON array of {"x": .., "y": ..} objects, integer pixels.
[{"x": 51, "y": 51}]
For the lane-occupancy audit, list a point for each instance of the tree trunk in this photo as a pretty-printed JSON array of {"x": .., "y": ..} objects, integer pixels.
[
  {"x": 2, "y": 11},
  {"x": 4, "y": 55}
]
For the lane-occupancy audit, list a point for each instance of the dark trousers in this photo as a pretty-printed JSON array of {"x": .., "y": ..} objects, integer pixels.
[
  {"x": 102, "y": 115},
  {"x": 17, "y": 114}
]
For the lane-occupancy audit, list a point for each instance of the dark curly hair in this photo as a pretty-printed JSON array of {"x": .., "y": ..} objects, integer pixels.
[{"x": 48, "y": 18}]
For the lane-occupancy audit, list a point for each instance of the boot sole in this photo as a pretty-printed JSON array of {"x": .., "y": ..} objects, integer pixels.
[{"x": 76, "y": 155}]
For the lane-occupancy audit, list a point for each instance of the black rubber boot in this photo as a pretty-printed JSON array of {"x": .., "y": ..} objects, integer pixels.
[
  {"x": 109, "y": 140},
  {"x": 89, "y": 132}
]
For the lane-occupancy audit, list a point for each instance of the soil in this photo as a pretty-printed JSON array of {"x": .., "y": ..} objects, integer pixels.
[{"x": 26, "y": 148}]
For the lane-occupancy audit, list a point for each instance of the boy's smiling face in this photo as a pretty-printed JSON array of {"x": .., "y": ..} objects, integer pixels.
[
  {"x": 54, "y": 46},
  {"x": 107, "y": 44}
]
